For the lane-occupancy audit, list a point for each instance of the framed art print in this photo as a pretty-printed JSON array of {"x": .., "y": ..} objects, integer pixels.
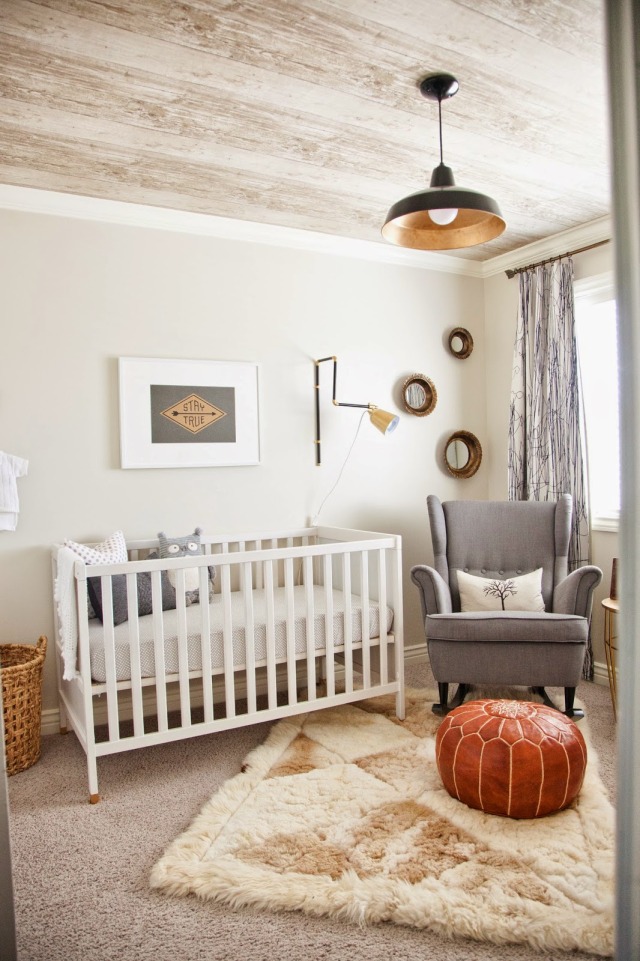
[{"x": 188, "y": 413}]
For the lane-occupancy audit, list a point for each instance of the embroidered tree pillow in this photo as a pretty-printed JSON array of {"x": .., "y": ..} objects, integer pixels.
[{"x": 522, "y": 593}]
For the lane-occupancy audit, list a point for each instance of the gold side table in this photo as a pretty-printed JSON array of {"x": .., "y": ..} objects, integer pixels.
[{"x": 611, "y": 609}]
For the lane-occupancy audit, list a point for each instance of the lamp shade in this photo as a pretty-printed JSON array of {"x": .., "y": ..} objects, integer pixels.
[
  {"x": 409, "y": 223},
  {"x": 443, "y": 216},
  {"x": 383, "y": 420}
]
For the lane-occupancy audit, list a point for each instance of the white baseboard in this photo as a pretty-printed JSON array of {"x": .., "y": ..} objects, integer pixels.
[
  {"x": 414, "y": 654},
  {"x": 600, "y": 674}
]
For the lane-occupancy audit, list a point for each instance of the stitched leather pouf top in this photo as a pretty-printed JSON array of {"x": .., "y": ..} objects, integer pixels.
[{"x": 513, "y": 758}]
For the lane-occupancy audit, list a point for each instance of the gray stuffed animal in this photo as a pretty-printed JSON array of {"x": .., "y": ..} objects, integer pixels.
[{"x": 189, "y": 546}]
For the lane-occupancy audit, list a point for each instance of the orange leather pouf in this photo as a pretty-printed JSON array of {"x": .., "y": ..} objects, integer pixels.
[{"x": 513, "y": 758}]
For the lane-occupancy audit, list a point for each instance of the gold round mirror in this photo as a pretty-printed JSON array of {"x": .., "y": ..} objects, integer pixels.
[
  {"x": 462, "y": 454},
  {"x": 460, "y": 342},
  {"x": 419, "y": 395}
]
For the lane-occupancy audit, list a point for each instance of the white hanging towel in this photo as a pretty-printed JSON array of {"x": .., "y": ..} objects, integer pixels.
[{"x": 11, "y": 467}]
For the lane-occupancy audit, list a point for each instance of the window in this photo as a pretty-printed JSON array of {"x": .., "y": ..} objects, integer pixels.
[{"x": 598, "y": 357}]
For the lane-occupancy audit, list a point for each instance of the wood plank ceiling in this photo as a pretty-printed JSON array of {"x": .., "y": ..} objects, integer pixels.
[{"x": 306, "y": 113}]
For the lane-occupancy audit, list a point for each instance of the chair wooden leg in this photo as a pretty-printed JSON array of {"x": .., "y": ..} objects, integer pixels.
[
  {"x": 444, "y": 706},
  {"x": 443, "y": 692},
  {"x": 545, "y": 697},
  {"x": 575, "y": 713}
]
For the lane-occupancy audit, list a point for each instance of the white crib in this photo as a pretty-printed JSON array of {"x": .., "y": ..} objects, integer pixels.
[{"x": 299, "y": 620}]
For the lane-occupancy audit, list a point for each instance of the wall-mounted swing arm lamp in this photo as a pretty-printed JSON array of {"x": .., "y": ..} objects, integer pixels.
[
  {"x": 382, "y": 419},
  {"x": 443, "y": 216}
]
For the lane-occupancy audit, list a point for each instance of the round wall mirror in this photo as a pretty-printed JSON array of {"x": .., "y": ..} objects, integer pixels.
[
  {"x": 462, "y": 454},
  {"x": 460, "y": 342},
  {"x": 419, "y": 395}
]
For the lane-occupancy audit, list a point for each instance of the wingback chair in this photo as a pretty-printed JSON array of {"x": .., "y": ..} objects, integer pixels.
[{"x": 500, "y": 541}]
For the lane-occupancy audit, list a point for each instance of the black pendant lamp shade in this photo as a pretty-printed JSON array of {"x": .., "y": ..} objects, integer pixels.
[{"x": 443, "y": 216}]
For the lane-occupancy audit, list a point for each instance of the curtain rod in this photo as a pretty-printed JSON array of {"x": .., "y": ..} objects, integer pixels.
[{"x": 569, "y": 253}]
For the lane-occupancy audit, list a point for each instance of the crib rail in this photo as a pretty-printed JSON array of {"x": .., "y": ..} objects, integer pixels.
[{"x": 302, "y": 622}]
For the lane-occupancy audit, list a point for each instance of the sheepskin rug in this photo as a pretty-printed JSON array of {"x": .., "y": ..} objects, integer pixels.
[{"x": 342, "y": 812}]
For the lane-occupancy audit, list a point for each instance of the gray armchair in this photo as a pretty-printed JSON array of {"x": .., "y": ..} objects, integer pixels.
[{"x": 502, "y": 540}]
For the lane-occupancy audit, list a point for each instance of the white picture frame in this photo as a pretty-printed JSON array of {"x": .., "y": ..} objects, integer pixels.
[{"x": 188, "y": 413}]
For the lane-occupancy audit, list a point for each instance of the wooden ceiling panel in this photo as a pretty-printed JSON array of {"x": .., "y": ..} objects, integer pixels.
[{"x": 306, "y": 113}]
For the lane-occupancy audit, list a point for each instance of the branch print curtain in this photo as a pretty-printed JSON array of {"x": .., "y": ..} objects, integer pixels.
[{"x": 545, "y": 441}]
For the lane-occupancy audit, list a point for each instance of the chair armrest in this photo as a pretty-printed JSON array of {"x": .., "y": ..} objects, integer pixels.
[
  {"x": 435, "y": 595},
  {"x": 574, "y": 594}
]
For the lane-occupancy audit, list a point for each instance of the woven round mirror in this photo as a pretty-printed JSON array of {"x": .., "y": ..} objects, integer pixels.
[
  {"x": 419, "y": 395},
  {"x": 462, "y": 454},
  {"x": 460, "y": 342}
]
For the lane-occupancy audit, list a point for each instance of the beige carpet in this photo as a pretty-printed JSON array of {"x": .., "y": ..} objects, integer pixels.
[{"x": 341, "y": 813}]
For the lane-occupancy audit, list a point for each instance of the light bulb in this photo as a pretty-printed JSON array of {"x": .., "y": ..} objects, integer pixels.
[
  {"x": 392, "y": 426},
  {"x": 443, "y": 215}
]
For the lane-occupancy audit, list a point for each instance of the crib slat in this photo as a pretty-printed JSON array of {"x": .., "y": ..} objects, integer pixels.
[
  {"x": 227, "y": 644},
  {"x": 347, "y": 622},
  {"x": 259, "y": 583},
  {"x": 183, "y": 652},
  {"x": 292, "y": 688},
  {"x": 249, "y": 635},
  {"x": 134, "y": 655},
  {"x": 382, "y": 616},
  {"x": 310, "y": 628},
  {"x": 110, "y": 658},
  {"x": 365, "y": 619},
  {"x": 271, "y": 635},
  {"x": 158, "y": 650},
  {"x": 205, "y": 644},
  {"x": 330, "y": 666}
]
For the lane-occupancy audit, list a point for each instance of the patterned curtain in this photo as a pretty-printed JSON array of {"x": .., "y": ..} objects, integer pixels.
[{"x": 545, "y": 438}]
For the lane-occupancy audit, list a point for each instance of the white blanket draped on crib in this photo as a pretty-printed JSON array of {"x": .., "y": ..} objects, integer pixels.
[{"x": 65, "y": 596}]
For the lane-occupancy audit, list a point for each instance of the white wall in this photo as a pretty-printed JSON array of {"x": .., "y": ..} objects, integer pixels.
[
  {"x": 501, "y": 309},
  {"x": 76, "y": 295}
]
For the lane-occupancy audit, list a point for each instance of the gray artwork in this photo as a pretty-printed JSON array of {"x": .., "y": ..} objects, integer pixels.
[{"x": 192, "y": 414}]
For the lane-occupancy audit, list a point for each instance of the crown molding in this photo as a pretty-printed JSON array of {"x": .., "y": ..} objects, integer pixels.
[
  {"x": 32, "y": 200},
  {"x": 553, "y": 246}
]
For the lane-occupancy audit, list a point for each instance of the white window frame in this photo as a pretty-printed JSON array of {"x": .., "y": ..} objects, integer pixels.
[{"x": 595, "y": 290}]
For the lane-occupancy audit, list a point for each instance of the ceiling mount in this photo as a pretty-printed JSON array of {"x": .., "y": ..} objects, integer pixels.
[
  {"x": 443, "y": 216},
  {"x": 438, "y": 86}
]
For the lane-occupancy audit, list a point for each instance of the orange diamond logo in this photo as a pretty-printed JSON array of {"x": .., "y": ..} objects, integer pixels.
[{"x": 193, "y": 413}]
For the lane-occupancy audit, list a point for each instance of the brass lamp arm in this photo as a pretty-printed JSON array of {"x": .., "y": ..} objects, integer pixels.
[{"x": 386, "y": 423}]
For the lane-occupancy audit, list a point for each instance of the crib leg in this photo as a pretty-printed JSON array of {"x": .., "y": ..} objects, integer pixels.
[{"x": 92, "y": 772}]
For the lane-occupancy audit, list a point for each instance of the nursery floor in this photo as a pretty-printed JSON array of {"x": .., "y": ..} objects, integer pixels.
[{"x": 81, "y": 872}]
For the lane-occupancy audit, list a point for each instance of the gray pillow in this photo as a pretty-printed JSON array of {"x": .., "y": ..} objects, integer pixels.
[{"x": 119, "y": 592}]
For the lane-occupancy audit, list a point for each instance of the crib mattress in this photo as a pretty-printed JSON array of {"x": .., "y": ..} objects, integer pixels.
[{"x": 194, "y": 648}]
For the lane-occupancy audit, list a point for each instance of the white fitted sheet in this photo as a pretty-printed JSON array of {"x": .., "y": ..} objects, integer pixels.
[{"x": 194, "y": 649}]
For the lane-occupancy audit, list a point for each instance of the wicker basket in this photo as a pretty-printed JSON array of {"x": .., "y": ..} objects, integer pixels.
[{"x": 21, "y": 672}]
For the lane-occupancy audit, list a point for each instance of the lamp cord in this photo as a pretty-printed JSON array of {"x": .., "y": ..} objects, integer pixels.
[
  {"x": 440, "y": 125},
  {"x": 314, "y": 519}
]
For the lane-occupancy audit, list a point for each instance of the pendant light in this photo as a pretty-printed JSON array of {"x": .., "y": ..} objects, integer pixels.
[{"x": 443, "y": 216}]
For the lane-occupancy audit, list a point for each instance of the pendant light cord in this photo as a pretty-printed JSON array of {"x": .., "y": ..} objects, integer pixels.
[{"x": 440, "y": 125}]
